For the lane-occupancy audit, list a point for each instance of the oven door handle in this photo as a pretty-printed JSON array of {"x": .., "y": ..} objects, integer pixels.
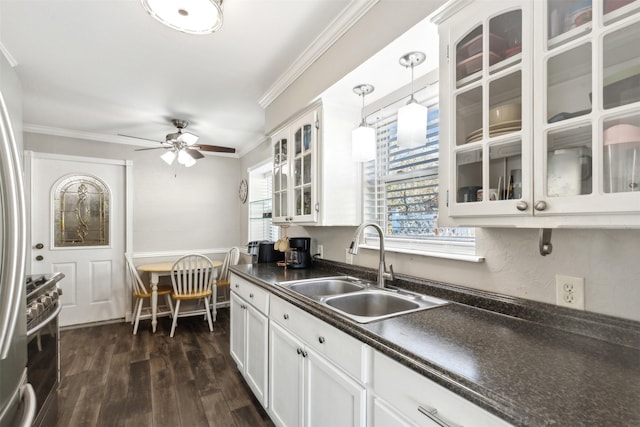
[
  {"x": 29, "y": 396},
  {"x": 55, "y": 314}
]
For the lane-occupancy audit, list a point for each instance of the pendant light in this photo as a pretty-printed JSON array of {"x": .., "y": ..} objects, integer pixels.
[
  {"x": 363, "y": 138},
  {"x": 188, "y": 16},
  {"x": 412, "y": 118}
]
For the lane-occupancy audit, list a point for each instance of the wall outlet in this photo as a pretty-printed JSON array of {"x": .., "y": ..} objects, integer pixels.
[
  {"x": 320, "y": 251},
  {"x": 570, "y": 291},
  {"x": 348, "y": 256}
]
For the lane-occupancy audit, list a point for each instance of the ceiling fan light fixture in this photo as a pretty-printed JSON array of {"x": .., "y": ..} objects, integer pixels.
[
  {"x": 169, "y": 157},
  {"x": 188, "y": 138},
  {"x": 188, "y": 16},
  {"x": 185, "y": 159}
]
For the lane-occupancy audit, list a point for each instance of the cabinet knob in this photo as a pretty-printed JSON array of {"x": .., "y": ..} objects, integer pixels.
[
  {"x": 304, "y": 353},
  {"x": 286, "y": 317},
  {"x": 237, "y": 286},
  {"x": 299, "y": 350},
  {"x": 39, "y": 258},
  {"x": 522, "y": 205},
  {"x": 39, "y": 246},
  {"x": 321, "y": 340},
  {"x": 540, "y": 205},
  {"x": 250, "y": 295}
]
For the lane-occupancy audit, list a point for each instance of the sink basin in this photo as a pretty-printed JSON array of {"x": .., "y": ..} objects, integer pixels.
[
  {"x": 376, "y": 304},
  {"x": 318, "y": 288},
  {"x": 359, "y": 300},
  {"x": 371, "y": 304}
]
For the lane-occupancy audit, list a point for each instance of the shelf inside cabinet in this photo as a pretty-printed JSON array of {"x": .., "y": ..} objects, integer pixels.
[
  {"x": 615, "y": 10},
  {"x": 570, "y": 35},
  {"x": 506, "y": 63}
]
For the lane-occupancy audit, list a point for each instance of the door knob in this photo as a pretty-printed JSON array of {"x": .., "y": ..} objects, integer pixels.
[
  {"x": 39, "y": 258},
  {"x": 39, "y": 246}
]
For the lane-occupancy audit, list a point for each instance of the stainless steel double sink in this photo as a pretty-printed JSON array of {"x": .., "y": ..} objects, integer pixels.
[{"x": 361, "y": 300}]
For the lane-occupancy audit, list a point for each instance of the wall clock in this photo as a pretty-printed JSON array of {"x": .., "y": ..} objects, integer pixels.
[{"x": 243, "y": 191}]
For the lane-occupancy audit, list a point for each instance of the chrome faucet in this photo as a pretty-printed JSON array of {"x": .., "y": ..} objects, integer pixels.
[{"x": 382, "y": 268}]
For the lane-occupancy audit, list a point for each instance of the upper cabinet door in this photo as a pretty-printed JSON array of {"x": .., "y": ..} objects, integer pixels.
[
  {"x": 304, "y": 159},
  {"x": 589, "y": 115},
  {"x": 280, "y": 158},
  {"x": 489, "y": 126}
]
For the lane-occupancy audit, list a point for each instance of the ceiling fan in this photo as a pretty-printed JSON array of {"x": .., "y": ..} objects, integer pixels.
[{"x": 182, "y": 145}]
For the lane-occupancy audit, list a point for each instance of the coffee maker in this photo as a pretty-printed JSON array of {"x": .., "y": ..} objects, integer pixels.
[{"x": 299, "y": 253}]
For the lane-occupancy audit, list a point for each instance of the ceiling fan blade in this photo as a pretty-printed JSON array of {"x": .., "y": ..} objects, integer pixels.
[
  {"x": 151, "y": 148},
  {"x": 215, "y": 148},
  {"x": 139, "y": 137},
  {"x": 194, "y": 153}
]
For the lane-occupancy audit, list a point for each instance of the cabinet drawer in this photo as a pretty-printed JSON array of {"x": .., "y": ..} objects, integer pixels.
[
  {"x": 343, "y": 350},
  {"x": 251, "y": 293},
  {"x": 407, "y": 391}
]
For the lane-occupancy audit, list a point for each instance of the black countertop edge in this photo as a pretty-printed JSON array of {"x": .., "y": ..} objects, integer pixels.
[
  {"x": 593, "y": 325},
  {"x": 471, "y": 391}
]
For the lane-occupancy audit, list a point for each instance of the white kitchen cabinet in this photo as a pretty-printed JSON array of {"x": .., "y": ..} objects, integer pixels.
[
  {"x": 250, "y": 334},
  {"x": 315, "y": 182},
  {"x": 307, "y": 387},
  {"x": 562, "y": 155},
  {"x": 401, "y": 396}
]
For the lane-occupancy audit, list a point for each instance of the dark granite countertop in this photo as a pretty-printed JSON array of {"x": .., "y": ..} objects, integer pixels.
[{"x": 514, "y": 359}]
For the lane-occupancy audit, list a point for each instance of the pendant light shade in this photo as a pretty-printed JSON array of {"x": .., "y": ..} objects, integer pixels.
[
  {"x": 412, "y": 125},
  {"x": 188, "y": 16},
  {"x": 412, "y": 118},
  {"x": 363, "y": 138},
  {"x": 363, "y": 144}
]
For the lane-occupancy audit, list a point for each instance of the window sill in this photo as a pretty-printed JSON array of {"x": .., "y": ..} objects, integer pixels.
[{"x": 427, "y": 253}]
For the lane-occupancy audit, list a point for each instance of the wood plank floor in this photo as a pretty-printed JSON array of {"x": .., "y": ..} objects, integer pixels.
[{"x": 110, "y": 377}]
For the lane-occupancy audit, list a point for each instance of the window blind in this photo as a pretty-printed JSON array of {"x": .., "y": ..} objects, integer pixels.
[
  {"x": 260, "y": 207},
  {"x": 401, "y": 185}
]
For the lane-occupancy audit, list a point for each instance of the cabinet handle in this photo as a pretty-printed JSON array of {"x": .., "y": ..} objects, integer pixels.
[
  {"x": 321, "y": 340},
  {"x": 522, "y": 205},
  {"x": 540, "y": 205},
  {"x": 432, "y": 414},
  {"x": 286, "y": 317}
]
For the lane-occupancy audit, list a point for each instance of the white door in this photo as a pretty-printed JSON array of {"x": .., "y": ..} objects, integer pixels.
[
  {"x": 94, "y": 287},
  {"x": 285, "y": 377}
]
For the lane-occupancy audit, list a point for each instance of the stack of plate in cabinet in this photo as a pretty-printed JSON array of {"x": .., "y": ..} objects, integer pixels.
[{"x": 503, "y": 119}]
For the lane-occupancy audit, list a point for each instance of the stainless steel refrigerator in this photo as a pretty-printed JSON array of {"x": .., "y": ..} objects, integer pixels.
[{"x": 17, "y": 399}]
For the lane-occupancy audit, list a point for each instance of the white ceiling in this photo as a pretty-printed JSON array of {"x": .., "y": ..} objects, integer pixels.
[{"x": 104, "y": 67}]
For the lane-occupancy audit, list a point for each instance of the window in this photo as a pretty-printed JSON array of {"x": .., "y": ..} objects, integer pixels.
[
  {"x": 401, "y": 190},
  {"x": 260, "y": 206}
]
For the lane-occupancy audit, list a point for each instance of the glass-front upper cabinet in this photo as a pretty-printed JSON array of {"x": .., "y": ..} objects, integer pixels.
[
  {"x": 280, "y": 200},
  {"x": 294, "y": 151},
  {"x": 590, "y": 115},
  {"x": 491, "y": 124}
]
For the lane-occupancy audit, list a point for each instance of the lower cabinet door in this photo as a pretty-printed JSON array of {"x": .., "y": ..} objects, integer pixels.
[
  {"x": 256, "y": 365},
  {"x": 383, "y": 415},
  {"x": 237, "y": 331},
  {"x": 331, "y": 397},
  {"x": 285, "y": 377}
]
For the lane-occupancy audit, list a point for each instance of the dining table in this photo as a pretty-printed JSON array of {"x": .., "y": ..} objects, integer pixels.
[{"x": 157, "y": 270}]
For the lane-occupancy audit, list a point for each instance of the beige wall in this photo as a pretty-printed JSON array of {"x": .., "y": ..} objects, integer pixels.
[{"x": 175, "y": 208}]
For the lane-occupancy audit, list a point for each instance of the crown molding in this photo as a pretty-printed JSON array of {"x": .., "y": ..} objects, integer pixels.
[
  {"x": 336, "y": 29},
  {"x": 12, "y": 61},
  {"x": 100, "y": 137}
]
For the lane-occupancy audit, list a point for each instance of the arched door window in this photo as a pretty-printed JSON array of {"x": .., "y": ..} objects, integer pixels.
[{"x": 81, "y": 212}]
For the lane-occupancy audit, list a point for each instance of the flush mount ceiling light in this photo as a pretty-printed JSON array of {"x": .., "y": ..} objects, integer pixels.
[
  {"x": 412, "y": 118},
  {"x": 188, "y": 16},
  {"x": 363, "y": 139}
]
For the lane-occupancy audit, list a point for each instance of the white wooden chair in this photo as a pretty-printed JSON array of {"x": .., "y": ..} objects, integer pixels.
[
  {"x": 142, "y": 293},
  {"x": 222, "y": 288},
  {"x": 192, "y": 279}
]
